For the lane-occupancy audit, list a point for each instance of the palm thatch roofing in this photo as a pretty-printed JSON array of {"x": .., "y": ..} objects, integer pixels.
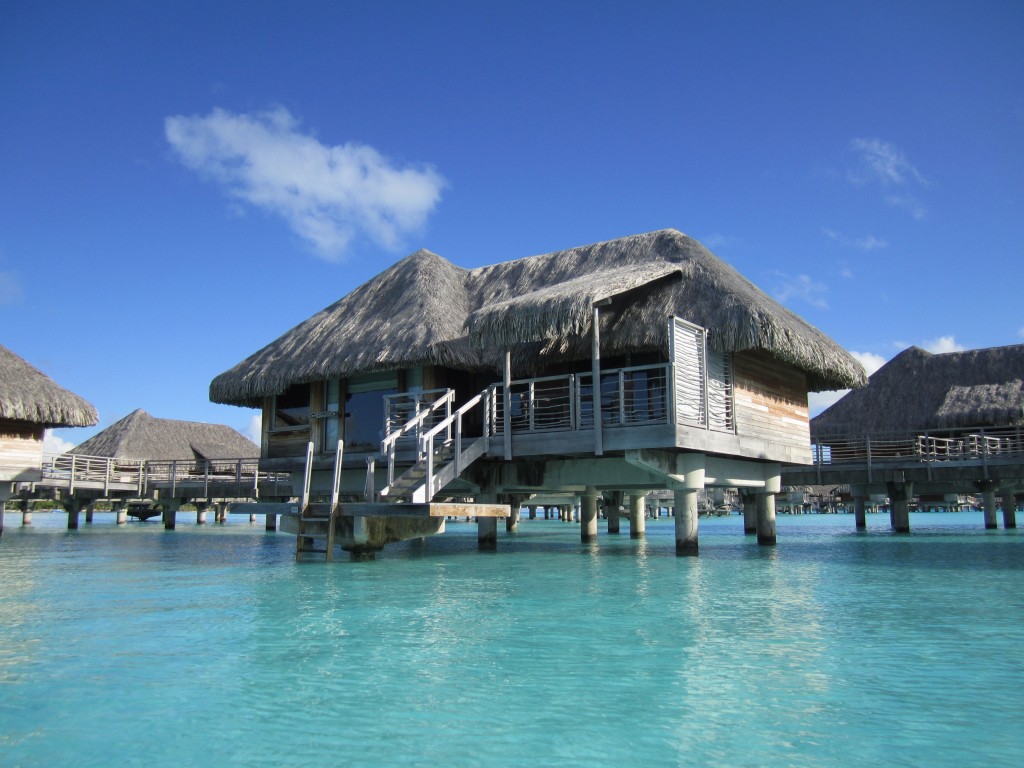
[
  {"x": 426, "y": 311},
  {"x": 918, "y": 390},
  {"x": 139, "y": 436},
  {"x": 28, "y": 394}
]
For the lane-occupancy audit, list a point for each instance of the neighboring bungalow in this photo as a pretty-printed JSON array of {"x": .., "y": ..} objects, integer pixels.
[
  {"x": 931, "y": 426},
  {"x": 478, "y": 383},
  {"x": 31, "y": 403},
  {"x": 141, "y": 437}
]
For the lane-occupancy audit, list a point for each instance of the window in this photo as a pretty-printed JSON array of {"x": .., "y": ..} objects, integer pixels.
[
  {"x": 291, "y": 409},
  {"x": 364, "y": 409}
]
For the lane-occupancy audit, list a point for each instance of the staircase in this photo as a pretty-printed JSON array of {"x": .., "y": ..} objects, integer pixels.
[{"x": 440, "y": 455}]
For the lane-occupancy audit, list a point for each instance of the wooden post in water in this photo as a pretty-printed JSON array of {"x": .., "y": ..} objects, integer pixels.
[
  {"x": 686, "y": 521},
  {"x": 171, "y": 513},
  {"x": 588, "y": 515},
  {"x": 637, "y": 523},
  {"x": 900, "y": 495},
  {"x": 487, "y": 527},
  {"x": 1009, "y": 509},
  {"x": 74, "y": 508},
  {"x": 749, "y": 512},
  {"x": 26, "y": 512},
  {"x": 988, "y": 497},
  {"x": 613, "y": 510},
  {"x": 533, "y": 511},
  {"x": 89, "y": 510},
  {"x": 859, "y": 516},
  {"x": 512, "y": 521},
  {"x": 122, "y": 512},
  {"x": 766, "y": 533}
]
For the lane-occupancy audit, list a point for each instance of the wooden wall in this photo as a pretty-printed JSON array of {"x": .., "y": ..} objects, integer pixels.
[
  {"x": 771, "y": 400},
  {"x": 21, "y": 448}
]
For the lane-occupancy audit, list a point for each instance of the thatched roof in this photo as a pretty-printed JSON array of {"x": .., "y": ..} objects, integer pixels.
[
  {"x": 139, "y": 436},
  {"x": 426, "y": 311},
  {"x": 28, "y": 394},
  {"x": 918, "y": 390}
]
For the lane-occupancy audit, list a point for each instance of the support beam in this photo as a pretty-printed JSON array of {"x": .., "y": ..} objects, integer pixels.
[
  {"x": 637, "y": 523},
  {"x": 170, "y": 514},
  {"x": 89, "y": 509},
  {"x": 512, "y": 521},
  {"x": 1009, "y": 509},
  {"x": 749, "y": 512},
  {"x": 859, "y": 516},
  {"x": 271, "y": 521},
  {"x": 766, "y": 534},
  {"x": 74, "y": 509},
  {"x": 900, "y": 495},
  {"x": 988, "y": 497},
  {"x": 686, "y": 522},
  {"x": 121, "y": 508},
  {"x": 613, "y": 511},
  {"x": 588, "y": 515}
]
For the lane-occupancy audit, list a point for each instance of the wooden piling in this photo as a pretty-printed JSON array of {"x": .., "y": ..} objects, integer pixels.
[
  {"x": 637, "y": 522},
  {"x": 588, "y": 516},
  {"x": 1009, "y": 509},
  {"x": 686, "y": 522},
  {"x": 766, "y": 533}
]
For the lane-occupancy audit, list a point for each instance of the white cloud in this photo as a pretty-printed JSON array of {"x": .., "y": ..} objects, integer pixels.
[
  {"x": 882, "y": 162},
  {"x": 819, "y": 401},
  {"x": 254, "y": 431},
  {"x": 866, "y": 243},
  {"x": 943, "y": 344},
  {"x": 1020, "y": 332},
  {"x": 329, "y": 195},
  {"x": 801, "y": 287},
  {"x": 54, "y": 444},
  {"x": 869, "y": 360},
  {"x": 10, "y": 288}
]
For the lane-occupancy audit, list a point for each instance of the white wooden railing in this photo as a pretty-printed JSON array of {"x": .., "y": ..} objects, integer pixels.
[
  {"x": 112, "y": 473},
  {"x": 931, "y": 447},
  {"x": 426, "y": 416},
  {"x": 629, "y": 397}
]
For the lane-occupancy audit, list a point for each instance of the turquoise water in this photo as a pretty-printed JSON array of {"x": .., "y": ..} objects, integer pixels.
[{"x": 209, "y": 645}]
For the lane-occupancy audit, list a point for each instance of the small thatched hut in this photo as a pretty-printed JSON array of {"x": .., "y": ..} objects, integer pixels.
[
  {"x": 918, "y": 391},
  {"x": 139, "y": 436},
  {"x": 30, "y": 403}
]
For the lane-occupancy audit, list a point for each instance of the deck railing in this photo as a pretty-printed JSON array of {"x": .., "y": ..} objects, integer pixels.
[
  {"x": 931, "y": 446},
  {"x": 106, "y": 472},
  {"x": 629, "y": 397}
]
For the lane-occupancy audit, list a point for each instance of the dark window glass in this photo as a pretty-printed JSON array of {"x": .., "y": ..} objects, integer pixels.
[
  {"x": 364, "y": 419},
  {"x": 291, "y": 409}
]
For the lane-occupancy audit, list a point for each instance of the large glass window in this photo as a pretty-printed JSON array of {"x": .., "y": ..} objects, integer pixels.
[
  {"x": 291, "y": 409},
  {"x": 364, "y": 409},
  {"x": 332, "y": 401}
]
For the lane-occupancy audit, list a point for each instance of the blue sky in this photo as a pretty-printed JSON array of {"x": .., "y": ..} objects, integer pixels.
[{"x": 182, "y": 182}]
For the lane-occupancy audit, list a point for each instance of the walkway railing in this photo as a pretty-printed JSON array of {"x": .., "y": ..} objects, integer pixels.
[
  {"x": 112, "y": 473},
  {"x": 932, "y": 446}
]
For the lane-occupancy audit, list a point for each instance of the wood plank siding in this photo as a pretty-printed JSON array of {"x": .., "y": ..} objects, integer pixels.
[
  {"x": 21, "y": 450},
  {"x": 771, "y": 401}
]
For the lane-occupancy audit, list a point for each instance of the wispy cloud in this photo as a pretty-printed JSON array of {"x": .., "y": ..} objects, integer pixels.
[
  {"x": 866, "y": 243},
  {"x": 328, "y": 195},
  {"x": 718, "y": 240},
  {"x": 1020, "y": 332},
  {"x": 10, "y": 289},
  {"x": 943, "y": 344},
  {"x": 800, "y": 287},
  {"x": 879, "y": 162},
  {"x": 882, "y": 162}
]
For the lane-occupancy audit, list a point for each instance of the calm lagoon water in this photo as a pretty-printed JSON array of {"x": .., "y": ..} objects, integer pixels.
[{"x": 211, "y": 646}]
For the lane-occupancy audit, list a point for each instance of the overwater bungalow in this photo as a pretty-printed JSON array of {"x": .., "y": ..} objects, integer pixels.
[
  {"x": 141, "y": 437},
  {"x": 482, "y": 385},
  {"x": 930, "y": 426},
  {"x": 30, "y": 403}
]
